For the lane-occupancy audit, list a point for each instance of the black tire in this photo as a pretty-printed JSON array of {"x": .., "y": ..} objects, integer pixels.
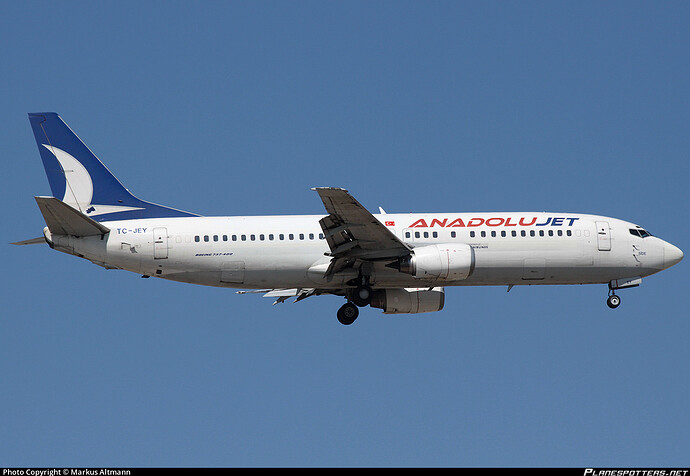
[
  {"x": 613, "y": 301},
  {"x": 347, "y": 314},
  {"x": 362, "y": 296}
]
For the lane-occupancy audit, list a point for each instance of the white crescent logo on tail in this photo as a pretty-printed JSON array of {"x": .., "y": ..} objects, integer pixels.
[{"x": 79, "y": 186}]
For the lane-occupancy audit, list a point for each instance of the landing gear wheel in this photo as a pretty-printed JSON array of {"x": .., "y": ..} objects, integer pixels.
[
  {"x": 362, "y": 295},
  {"x": 348, "y": 314},
  {"x": 613, "y": 301}
]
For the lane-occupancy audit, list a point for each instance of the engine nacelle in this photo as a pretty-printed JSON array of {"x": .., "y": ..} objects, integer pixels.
[
  {"x": 408, "y": 300},
  {"x": 447, "y": 261}
]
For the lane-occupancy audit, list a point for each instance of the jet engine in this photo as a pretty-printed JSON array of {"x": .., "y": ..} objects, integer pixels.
[
  {"x": 408, "y": 300},
  {"x": 447, "y": 261}
]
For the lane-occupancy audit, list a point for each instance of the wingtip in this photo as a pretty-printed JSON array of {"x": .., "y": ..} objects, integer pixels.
[{"x": 316, "y": 189}]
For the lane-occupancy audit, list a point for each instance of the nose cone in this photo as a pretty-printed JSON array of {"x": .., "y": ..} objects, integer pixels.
[{"x": 672, "y": 255}]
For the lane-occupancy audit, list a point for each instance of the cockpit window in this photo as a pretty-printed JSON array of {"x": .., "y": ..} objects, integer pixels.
[{"x": 640, "y": 232}]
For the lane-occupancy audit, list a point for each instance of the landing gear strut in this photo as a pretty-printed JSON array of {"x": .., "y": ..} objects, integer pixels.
[
  {"x": 348, "y": 313},
  {"x": 360, "y": 296}
]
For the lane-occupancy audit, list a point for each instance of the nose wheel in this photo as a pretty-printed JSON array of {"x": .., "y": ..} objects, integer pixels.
[{"x": 613, "y": 301}]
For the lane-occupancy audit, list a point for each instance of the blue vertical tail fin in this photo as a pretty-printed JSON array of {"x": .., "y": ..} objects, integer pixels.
[{"x": 78, "y": 178}]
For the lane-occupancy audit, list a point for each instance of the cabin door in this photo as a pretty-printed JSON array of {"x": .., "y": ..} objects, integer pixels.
[
  {"x": 603, "y": 236},
  {"x": 160, "y": 243}
]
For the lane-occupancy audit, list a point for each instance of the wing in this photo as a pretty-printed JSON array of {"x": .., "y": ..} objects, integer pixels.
[{"x": 353, "y": 233}]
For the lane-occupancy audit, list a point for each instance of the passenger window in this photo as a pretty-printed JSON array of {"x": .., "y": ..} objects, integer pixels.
[
  {"x": 321, "y": 236},
  {"x": 196, "y": 238},
  {"x": 301, "y": 236},
  {"x": 483, "y": 234},
  {"x": 569, "y": 233},
  {"x": 435, "y": 234},
  {"x": 541, "y": 232},
  {"x": 234, "y": 237},
  {"x": 560, "y": 232},
  {"x": 291, "y": 236},
  {"x": 550, "y": 232},
  {"x": 244, "y": 237},
  {"x": 426, "y": 234},
  {"x": 311, "y": 236},
  {"x": 532, "y": 233},
  {"x": 262, "y": 237},
  {"x": 225, "y": 237},
  {"x": 416, "y": 234},
  {"x": 252, "y": 237},
  {"x": 205, "y": 237},
  {"x": 503, "y": 233},
  {"x": 493, "y": 234},
  {"x": 215, "y": 237},
  {"x": 270, "y": 237},
  {"x": 523, "y": 233},
  {"x": 452, "y": 234},
  {"x": 281, "y": 236},
  {"x": 408, "y": 234},
  {"x": 471, "y": 234},
  {"x": 514, "y": 233}
]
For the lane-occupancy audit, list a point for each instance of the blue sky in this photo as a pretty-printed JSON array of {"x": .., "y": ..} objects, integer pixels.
[{"x": 239, "y": 108}]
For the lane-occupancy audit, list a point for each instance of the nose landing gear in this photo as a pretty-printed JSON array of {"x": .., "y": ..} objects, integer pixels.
[{"x": 613, "y": 301}]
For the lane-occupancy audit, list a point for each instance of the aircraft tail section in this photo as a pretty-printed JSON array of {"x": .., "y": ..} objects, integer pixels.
[{"x": 79, "y": 179}]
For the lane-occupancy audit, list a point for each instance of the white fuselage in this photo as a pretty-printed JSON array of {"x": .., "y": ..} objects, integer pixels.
[{"x": 260, "y": 252}]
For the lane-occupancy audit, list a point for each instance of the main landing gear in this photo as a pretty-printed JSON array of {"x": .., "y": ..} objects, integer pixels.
[
  {"x": 360, "y": 296},
  {"x": 348, "y": 313}
]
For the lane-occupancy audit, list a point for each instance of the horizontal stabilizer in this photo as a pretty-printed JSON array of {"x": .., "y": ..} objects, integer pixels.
[
  {"x": 62, "y": 219},
  {"x": 33, "y": 241}
]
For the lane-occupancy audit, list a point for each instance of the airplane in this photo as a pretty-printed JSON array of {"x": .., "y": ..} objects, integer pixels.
[{"x": 400, "y": 263}]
